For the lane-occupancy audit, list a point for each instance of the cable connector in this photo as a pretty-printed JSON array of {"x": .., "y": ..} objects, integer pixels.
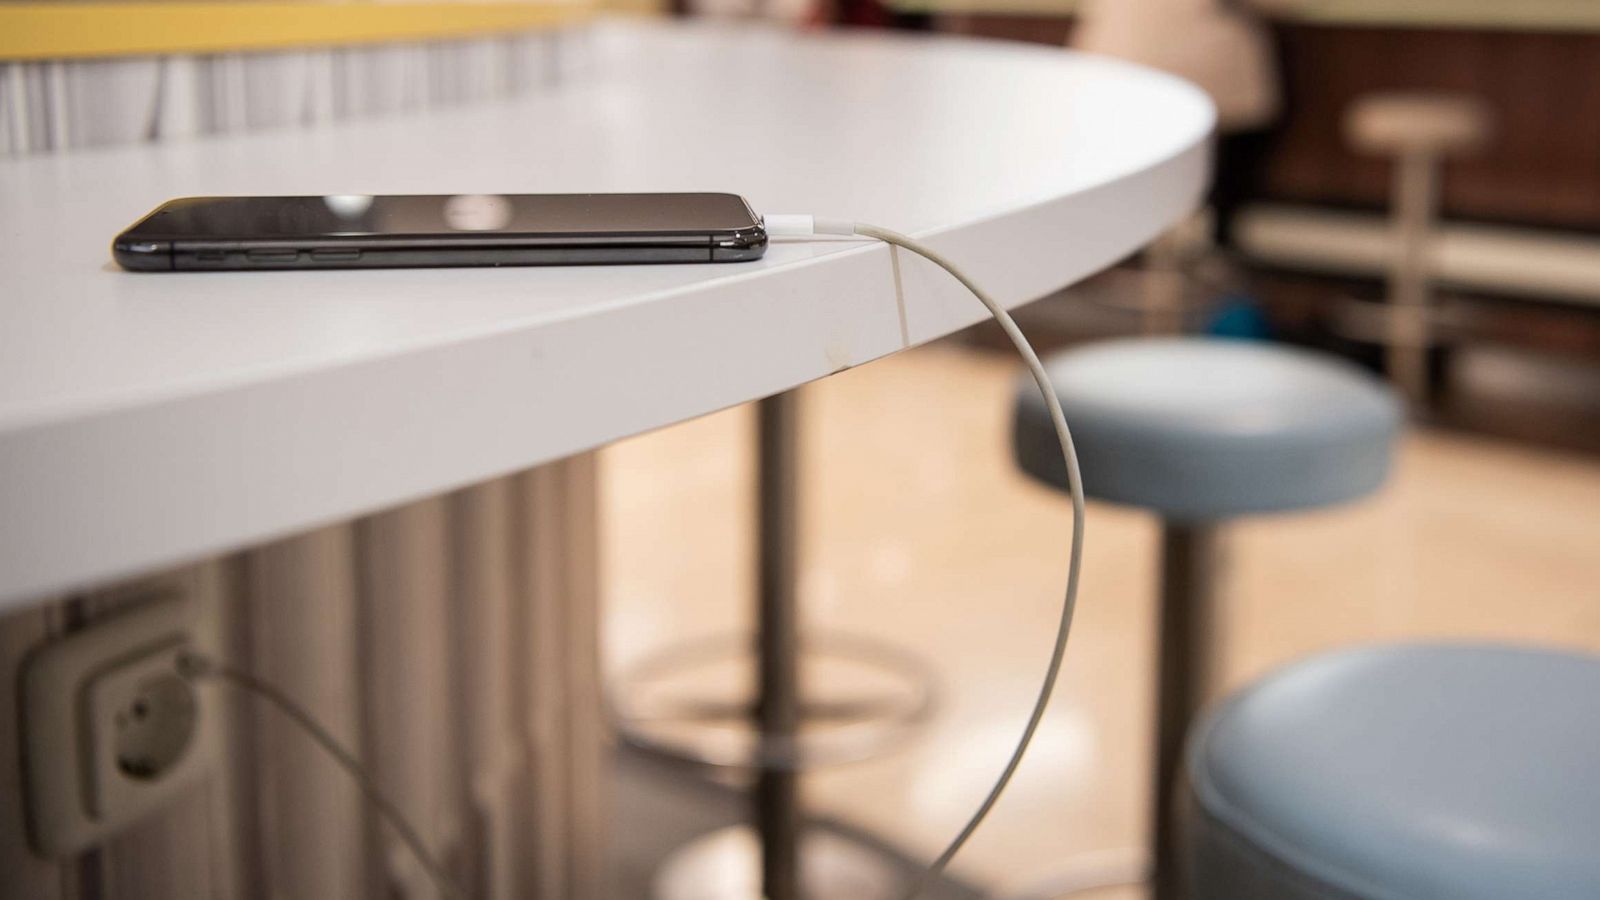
[{"x": 806, "y": 226}]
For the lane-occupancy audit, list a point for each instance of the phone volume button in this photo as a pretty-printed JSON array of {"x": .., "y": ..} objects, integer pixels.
[{"x": 335, "y": 255}]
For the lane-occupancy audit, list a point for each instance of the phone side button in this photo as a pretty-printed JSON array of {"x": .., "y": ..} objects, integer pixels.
[
  {"x": 335, "y": 255},
  {"x": 272, "y": 256}
]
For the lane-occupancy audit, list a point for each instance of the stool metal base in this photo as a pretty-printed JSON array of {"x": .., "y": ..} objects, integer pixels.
[
  {"x": 778, "y": 712},
  {"x": 726, "y": 865},
  {"x": 1090, "y": 875},
  {"x": 694, "y": 703}
]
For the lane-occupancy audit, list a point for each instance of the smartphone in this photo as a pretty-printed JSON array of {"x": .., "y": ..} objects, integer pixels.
[{"x": 362, "y": 231}]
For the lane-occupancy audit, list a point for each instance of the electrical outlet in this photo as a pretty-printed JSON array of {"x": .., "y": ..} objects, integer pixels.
[{"x": 113, "y": 732}]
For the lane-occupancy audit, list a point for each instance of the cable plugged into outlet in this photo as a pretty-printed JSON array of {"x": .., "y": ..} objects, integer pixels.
[{"x": 113, "y": 730}]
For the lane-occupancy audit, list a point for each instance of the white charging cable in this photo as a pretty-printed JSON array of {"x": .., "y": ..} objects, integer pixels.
[
  {"x": 808, "y": 226},
  {"x": 195, "y": 666}
]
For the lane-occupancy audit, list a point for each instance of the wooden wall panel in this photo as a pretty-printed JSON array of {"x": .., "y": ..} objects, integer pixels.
[
  {"x": 233, "y": 793},
  {"x": 302, "y": 634},
  {"x": 543, "y": 630},
  {"x": 56, "y": 105},
  {"x": 405, "y": 624},
  {"x": 26, "y": 876},
  {"x": 1543, "y": 166},
  {"x": 488, "y": 722},
  {"x": 587, "y": 728},
  {"x": 452, "y": 642},
  {"x": 565, "y": 728}
]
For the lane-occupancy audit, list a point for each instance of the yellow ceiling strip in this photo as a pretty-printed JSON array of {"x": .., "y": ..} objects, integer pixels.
[{"x": 59, "y": 30}]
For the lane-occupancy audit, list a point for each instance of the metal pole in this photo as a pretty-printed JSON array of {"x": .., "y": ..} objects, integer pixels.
[
  {"x": 1186, "y": 632},
  {"x": 1161, "y": 307},
  {"x": 1416, "y": 189},
  {"x": 777, "y": 808}
]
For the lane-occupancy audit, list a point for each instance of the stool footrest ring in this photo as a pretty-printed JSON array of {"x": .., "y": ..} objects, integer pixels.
[{"x": 695, "y": 702}]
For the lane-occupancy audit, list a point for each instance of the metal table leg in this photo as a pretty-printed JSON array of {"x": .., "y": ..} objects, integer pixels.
[
  {"x": 781, "y": 860},
  {"x": 1187, "y": 628},
  {"x": 777, "y": 808}
]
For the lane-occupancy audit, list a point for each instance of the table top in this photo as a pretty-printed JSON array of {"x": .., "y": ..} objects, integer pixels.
[{"x": 150, "y": 419}]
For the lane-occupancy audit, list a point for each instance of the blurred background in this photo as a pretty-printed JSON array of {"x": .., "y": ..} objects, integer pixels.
[
  {"x": 1411, "y": 185},
  {"x": 1443, "y": 153}
]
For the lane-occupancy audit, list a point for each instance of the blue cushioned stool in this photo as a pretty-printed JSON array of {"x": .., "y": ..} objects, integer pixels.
[
  {"x": 1199, "y": 431},
  {"x": 1421, "y": 771}
]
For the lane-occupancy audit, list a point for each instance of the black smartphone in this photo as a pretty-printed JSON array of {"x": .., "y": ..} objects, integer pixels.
[{"x": 362, "y": 231}]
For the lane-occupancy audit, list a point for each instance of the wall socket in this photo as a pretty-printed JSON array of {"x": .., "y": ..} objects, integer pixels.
[{"x": 112, "y": 731}]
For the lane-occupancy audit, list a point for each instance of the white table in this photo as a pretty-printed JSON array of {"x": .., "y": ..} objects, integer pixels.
[{"x": 147, "y": 420}]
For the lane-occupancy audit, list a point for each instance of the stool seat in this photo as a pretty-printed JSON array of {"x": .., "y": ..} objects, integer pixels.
[
  {"x": 1461, "y": 771},
  {"x": 1200, "y": 429},
  {"x": 1413, "y": 122}
]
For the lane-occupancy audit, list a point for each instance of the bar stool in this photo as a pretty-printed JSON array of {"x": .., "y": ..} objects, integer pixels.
[
  {"x": 1461, "y": 771},
  {"x": 1418, "y": 130},
  {"x": 774, "y": 705},
  {"x": 1200, "y": 431}
]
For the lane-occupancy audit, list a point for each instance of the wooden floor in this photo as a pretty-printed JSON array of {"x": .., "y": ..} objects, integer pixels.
[{"x": 919, "y": 530}]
